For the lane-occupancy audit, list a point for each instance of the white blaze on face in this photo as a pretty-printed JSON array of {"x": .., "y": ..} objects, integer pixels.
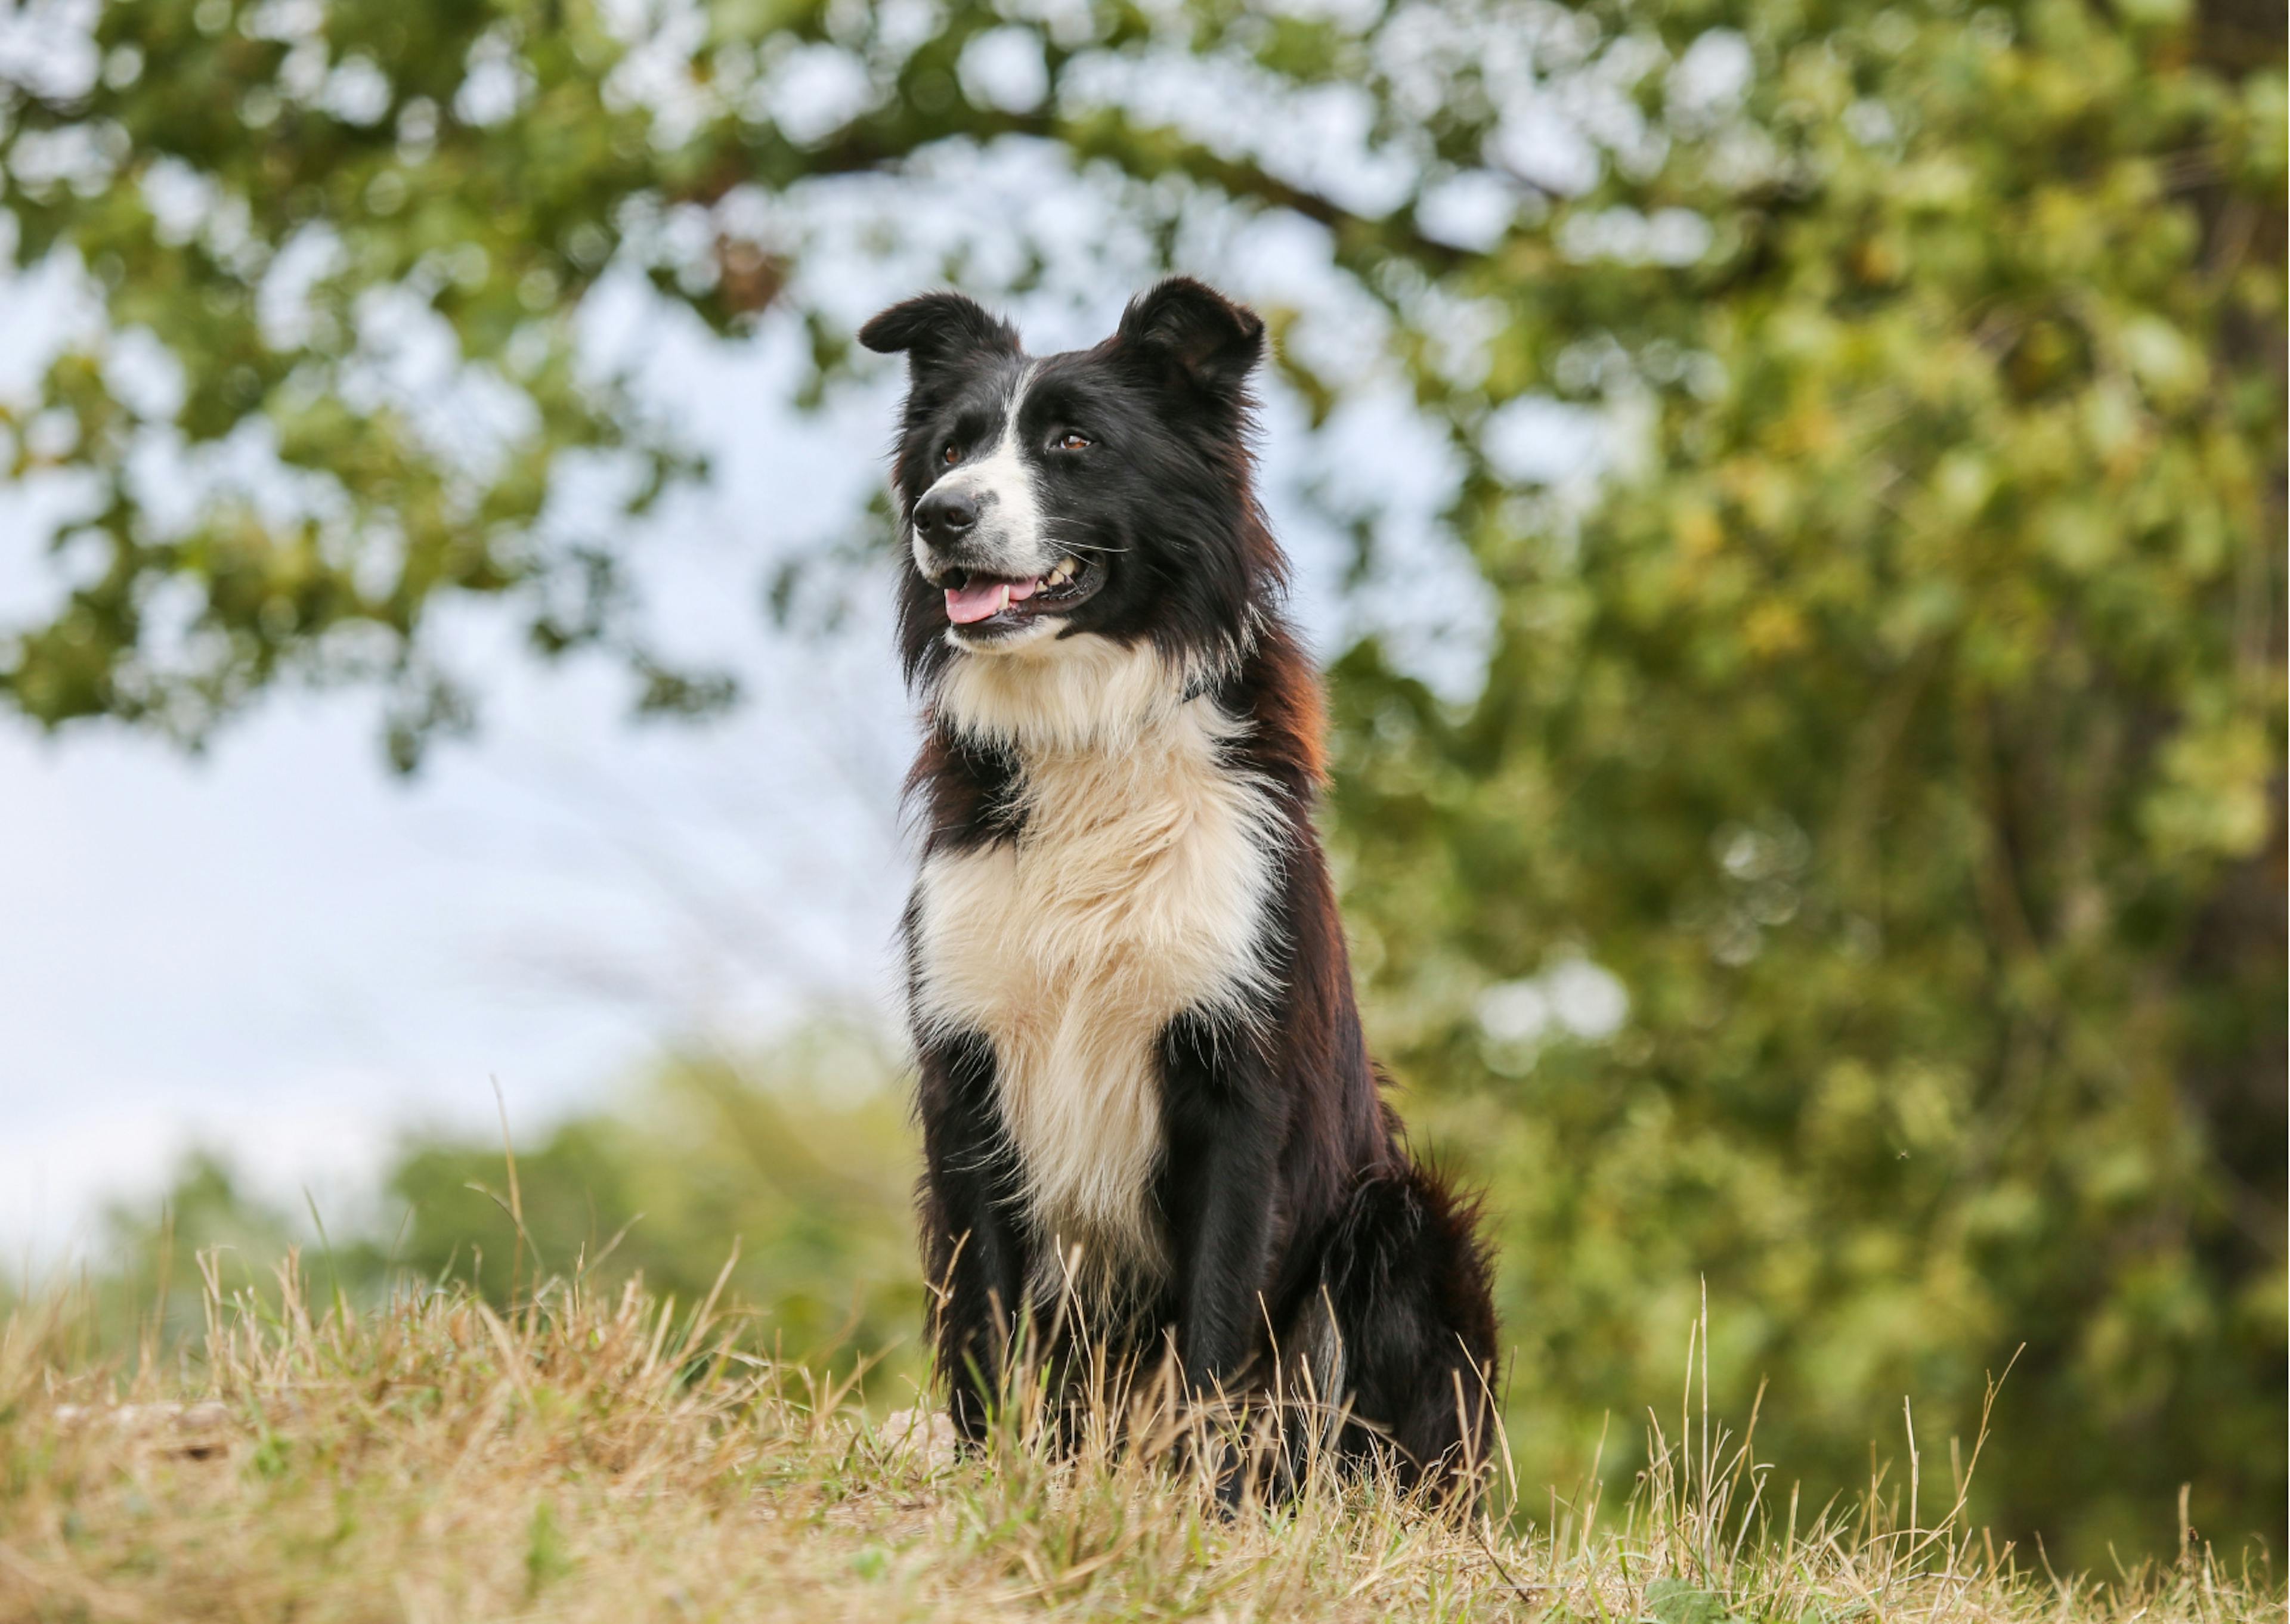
[{"x": 1000, "y": 480}]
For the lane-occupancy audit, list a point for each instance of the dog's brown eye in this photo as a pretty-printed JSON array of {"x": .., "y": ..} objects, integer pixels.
[
  {"x": 952, "y": 453},
  {"x": 1070, "y": 440}
]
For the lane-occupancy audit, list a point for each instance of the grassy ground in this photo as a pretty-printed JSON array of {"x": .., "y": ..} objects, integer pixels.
[{"x": 612, "y": 1459}]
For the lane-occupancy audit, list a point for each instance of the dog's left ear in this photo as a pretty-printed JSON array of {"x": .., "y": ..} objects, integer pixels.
[{"x": 1190, "y": 334}]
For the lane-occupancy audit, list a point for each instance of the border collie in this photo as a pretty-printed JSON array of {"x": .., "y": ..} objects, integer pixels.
[{"x": 1149, "y": 1118}]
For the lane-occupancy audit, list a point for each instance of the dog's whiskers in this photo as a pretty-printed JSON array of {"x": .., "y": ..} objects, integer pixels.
[{"x": 1048, "y": 529}]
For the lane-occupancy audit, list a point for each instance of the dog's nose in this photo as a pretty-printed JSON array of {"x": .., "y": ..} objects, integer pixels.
[{"x": 945, "y": 517}]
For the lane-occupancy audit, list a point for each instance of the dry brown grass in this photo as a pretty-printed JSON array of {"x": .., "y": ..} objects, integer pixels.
[{"x": 609, "y": 1458}]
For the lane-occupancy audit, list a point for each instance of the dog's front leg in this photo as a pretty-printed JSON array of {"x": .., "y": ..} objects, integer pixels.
[
  {"x": 971, "y": 1244},
  {"x": 1218, "y": 1188}
]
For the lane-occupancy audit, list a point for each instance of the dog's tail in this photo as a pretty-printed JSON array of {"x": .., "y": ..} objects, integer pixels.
[{"x": 1407, "y": 1280}]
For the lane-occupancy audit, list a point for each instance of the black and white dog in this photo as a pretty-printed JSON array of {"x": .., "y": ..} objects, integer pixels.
[{"x": 1148, "y": 1114}]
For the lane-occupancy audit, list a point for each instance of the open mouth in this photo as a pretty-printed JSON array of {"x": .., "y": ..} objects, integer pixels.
[{"x": 980, "y": 605}]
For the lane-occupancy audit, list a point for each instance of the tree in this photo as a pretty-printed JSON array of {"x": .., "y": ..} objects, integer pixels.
[
  {"x": 1898, "y": 725},
  {"x": 277, "y": 202},
  {"x": 1906, "y": 735}
]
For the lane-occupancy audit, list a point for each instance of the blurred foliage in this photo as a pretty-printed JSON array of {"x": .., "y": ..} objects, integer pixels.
[
  {"x": 800, "y": 1159},
  {"x": 1906, "y": 735},
  {"x": 1899, "y": 722},
  {"x": 786, "y": 1175}
]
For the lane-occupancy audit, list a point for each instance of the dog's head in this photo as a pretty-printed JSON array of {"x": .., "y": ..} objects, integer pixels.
[{"x": 1103, "y": 492}]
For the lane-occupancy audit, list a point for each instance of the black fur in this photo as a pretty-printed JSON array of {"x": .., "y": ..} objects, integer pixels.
[{"x": 1284, "y": 1184}]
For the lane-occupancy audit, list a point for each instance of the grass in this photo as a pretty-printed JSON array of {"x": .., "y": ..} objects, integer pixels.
[{"x": 608, "y": 1457}]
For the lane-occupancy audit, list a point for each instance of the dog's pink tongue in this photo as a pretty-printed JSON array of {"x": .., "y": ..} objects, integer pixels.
[{"x": 980, "y": 599}]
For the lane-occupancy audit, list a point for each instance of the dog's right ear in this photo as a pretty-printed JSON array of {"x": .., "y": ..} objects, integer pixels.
[{"x": 939, "y": 330}]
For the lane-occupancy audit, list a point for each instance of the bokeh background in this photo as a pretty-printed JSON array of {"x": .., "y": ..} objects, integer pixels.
[{"x": 1789, "y": 496}]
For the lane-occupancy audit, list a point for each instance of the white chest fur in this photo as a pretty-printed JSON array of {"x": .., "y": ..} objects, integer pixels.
[{"x": 1137, "y": 891}]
